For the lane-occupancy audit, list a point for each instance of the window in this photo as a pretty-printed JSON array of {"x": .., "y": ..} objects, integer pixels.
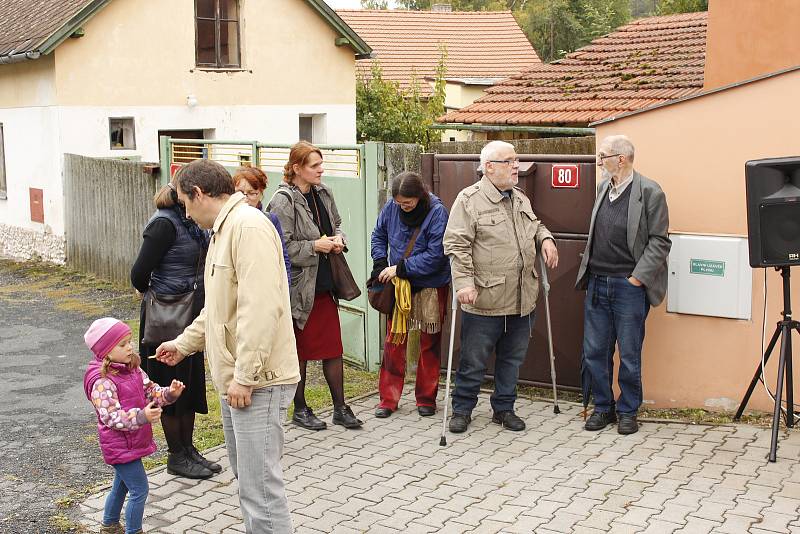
[
  {"x": 311, "y": 128},
  {"x": 121, "y": 131},
  {"x": 2, "y": 163},
  {"x": 217, "y": 33}
]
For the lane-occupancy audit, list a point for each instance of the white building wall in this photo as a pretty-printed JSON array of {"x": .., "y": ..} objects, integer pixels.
[
  {"x": 37, "y": 137},
  {"x": 32, "y": 161},
  {"x": 85, "y": 129}
]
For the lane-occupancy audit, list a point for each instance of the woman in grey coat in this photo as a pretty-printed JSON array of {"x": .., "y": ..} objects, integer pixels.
[{"x": 312, "y": 230}]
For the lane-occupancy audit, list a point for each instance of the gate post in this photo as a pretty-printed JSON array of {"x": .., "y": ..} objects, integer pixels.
[
  {"x": 164, "y": 160},
  {"x": 374, "y": 174}
]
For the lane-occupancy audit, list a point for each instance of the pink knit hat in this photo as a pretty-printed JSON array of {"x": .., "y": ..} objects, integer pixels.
[{"x": 104, "y": 334}]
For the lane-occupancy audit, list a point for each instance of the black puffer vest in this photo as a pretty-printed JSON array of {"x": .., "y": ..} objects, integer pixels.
[{"x": 179, "y": 268}]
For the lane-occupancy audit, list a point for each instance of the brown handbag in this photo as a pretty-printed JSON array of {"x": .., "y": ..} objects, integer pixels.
[
  {"x": 381, "y": 296},
  {"x": 344, "y": 285}
]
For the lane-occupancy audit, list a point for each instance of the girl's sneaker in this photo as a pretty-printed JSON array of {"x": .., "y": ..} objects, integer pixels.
[{"x": 114, "y": 528}]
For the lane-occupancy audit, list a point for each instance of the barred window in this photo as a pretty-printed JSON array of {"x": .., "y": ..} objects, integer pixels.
[{"x": 217, "y": 33}]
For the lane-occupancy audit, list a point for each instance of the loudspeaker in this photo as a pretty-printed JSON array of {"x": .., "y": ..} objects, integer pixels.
[{"x": 773, "y": 211}]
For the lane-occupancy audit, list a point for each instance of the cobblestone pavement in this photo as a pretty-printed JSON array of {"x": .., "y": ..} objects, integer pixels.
[{"x": 554, "y": 477}]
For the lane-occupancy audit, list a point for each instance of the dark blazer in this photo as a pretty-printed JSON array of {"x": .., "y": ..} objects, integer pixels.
[{"x": 648, "y": 238}]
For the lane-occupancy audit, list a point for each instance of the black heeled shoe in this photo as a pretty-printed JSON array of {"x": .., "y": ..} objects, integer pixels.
[
  {"x": 305, "y": 418},
  {"x": 195, "y": 455},
  {"x": 182, "y": 465},
  {"x": 344, "y": 416}
]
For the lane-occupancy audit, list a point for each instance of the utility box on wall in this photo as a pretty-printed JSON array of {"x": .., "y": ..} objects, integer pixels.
[{"x": 709, "y": 275}]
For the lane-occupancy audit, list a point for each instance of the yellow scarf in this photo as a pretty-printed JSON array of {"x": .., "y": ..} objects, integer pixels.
[{"x": 402, "y": 309}]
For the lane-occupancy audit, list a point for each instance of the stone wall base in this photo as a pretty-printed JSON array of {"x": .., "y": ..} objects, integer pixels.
[{"x": 25, "y": 244}]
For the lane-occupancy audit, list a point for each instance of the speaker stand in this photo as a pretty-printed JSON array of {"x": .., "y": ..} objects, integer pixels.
[{"x": 784, "y": 330}]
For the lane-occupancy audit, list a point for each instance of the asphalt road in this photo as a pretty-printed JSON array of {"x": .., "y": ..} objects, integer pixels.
[{"x": 48, "y": 437}]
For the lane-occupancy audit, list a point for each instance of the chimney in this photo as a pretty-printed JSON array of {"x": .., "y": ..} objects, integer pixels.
[{"x": 442, "y": 8}]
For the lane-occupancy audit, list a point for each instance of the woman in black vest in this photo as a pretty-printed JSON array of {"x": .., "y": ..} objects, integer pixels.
[{"x": 171, "y": 262}]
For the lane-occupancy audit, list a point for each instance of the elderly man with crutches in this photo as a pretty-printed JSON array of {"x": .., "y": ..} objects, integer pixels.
[{"x": 492, "y": 238}]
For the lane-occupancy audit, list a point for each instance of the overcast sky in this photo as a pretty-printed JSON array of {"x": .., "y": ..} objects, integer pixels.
[{"x": 344, "y": 4}]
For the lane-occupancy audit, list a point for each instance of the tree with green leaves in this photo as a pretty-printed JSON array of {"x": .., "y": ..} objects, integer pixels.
[
  {"x": 386, "y": 112},
  {"x": 671, "y": 7},
  {"x": 375, "y": 4}
]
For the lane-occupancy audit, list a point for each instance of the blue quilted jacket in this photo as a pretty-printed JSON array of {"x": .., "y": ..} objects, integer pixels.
[{"x": 426, "y": 266}]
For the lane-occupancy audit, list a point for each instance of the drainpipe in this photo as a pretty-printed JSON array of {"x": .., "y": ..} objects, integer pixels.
[{"x": 22, "y": 56}]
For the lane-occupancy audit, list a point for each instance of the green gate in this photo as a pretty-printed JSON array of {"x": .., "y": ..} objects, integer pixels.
[{"x": 355, "y": 174}]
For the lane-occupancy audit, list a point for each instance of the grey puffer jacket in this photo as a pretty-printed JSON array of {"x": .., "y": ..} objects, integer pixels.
[{"x": 300, "y": 232}]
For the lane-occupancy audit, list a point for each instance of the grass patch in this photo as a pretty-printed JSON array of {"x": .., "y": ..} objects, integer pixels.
[
  {"x": 63, "y": 523},
  {"x": 70, "y": 290}
]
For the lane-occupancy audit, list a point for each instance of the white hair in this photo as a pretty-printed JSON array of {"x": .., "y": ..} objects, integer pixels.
[
  {"x": 490, "y": 151},
  {"x": 620, "y": 144}
]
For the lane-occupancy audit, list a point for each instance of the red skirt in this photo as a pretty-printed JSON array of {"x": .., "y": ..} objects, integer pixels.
[{"x": 321, "y": 338}]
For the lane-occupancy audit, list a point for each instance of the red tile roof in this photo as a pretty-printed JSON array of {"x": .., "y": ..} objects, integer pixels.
[
  {"x": 644, "y": 63},
  {"x": 480, "y": 44}
]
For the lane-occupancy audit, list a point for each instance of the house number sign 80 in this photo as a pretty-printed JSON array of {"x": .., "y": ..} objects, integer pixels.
[{"x": 565, "y": 176}]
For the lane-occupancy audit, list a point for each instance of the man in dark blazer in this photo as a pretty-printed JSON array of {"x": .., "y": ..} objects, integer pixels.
[{"x": 624, "y": 270}]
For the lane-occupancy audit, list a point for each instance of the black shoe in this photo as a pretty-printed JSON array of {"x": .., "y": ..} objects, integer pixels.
[
  {"x": 509, "y": 420},
  {"x": 627, "y": 424},
  {"x": 426, "y": 411},
  {"x": 459, "y": 423},
  {"x": 305, "y": 417},
  {"x": 382, "y": 413},
  {"x": 600, "y": 420},
  {"x": 195, "y": 455},
  {"x": 180, "y": 464},
  {"x": 344, "y": 416}
]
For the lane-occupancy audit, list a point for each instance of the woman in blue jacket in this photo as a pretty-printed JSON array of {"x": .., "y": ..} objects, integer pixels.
[{"x": 423, "y": 272}]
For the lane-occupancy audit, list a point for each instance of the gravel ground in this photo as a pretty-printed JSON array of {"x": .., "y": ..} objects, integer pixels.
[{"x": 48, "y": 445}]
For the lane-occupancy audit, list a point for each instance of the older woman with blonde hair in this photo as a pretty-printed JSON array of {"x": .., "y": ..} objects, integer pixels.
[{"x": 312, "y": 229}]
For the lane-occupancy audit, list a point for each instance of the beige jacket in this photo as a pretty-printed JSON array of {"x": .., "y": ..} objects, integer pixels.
[
  {"x": 492, "y": 243},
  {"x": 245, "y": 327}
]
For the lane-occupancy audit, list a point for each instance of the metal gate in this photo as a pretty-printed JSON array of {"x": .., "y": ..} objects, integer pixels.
[
  {"x": 566, "y": 211},
  {"x": 354, "y": 174}
]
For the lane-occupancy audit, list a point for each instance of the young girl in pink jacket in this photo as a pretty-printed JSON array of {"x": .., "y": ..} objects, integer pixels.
[{"x": 127, "y": 403}]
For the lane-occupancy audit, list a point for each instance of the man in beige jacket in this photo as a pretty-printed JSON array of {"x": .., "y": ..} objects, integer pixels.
[
  {"x": 492, "y": 236},
  {"x": 246, "y": 332}
]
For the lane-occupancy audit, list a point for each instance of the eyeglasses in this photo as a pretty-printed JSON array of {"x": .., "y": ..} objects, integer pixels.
[
  {"x": 406, "y": 204},
  {"x": 514, "y": 161},
  {"x": 603, "y": 158},
  {"x": 250, "y": 194}
]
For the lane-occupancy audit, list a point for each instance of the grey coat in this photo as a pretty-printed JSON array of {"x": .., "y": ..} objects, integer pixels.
[
  {"x": 299, "y": 233},
  {"x": 648, "y": 238}
]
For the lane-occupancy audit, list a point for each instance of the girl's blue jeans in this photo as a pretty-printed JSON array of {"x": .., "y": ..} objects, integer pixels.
[{"x": 129, "y": 479}]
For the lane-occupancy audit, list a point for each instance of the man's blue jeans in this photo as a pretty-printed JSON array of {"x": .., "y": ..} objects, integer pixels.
[
  {"x": 129, "y": 479},
  {"x": 254, "y": 439},
  {"x": 505, "y": 335},
  {"x": 614, "y": 314}
]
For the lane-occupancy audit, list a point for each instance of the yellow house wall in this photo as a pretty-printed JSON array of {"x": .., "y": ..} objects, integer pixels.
[
  {"x": 142, "y": 52},
  {"x": 697, "y": 150},
  {"x": 456, "y": 97},
  {"x": 28, "y": 83}
]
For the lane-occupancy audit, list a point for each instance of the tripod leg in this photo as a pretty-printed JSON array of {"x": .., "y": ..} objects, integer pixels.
[
  {"x": 776, "y": 417},
  {"x": 753, "y": 382},
  {"x": 789, "y": 381}
]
